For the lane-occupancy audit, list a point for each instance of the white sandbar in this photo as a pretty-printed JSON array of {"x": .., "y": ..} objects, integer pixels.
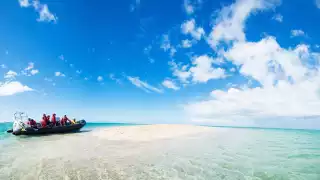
[{"x": 149, "y": 132}]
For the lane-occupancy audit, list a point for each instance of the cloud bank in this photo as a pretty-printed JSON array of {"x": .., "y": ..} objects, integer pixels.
[{"x": 287, "y": 79}]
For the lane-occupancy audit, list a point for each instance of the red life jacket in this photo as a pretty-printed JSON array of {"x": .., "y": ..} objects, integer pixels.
[
  {"x": 33, "y": 122},
  {"x": 53, "y": 119},
  {"x": 44, "y": 122},
  {"x": 62, "y": 120}
]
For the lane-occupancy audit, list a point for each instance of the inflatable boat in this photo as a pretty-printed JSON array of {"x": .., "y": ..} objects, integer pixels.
[
  {"x": 50, "y": 130},
  {"x": 20, "y": 128}
]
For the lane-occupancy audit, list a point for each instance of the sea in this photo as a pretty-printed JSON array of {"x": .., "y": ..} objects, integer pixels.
[{"x": 231, "y": 154}]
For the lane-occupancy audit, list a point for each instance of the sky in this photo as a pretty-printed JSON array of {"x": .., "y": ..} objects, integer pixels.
[{"x": 226, "y": 63}]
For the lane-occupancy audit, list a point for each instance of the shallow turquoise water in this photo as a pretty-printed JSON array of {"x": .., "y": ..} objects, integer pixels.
[{"x": 237, "y": 153}]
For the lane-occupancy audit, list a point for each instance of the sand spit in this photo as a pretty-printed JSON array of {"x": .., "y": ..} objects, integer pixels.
[{"x": 149, "y": 132}]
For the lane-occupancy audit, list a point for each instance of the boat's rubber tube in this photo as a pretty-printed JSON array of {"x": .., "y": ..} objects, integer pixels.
[{"x": 51, "y": 130}]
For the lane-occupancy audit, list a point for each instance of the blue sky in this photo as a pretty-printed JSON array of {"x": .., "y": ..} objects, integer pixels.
[{"x": 239, "y": 63}]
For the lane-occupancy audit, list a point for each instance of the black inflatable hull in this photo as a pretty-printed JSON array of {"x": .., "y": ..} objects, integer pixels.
[{"x": 51, "y": 130}]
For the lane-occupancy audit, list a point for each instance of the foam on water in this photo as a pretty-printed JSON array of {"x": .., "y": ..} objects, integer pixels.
[{"x": 220, "y": 154}]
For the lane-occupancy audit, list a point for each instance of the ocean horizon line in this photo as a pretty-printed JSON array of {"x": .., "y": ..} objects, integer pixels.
[{"x": 218, "y": 126}]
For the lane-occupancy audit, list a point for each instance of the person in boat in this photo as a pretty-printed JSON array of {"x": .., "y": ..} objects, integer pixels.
[
  {"x": 64, "y": 120},
  {"x": 32, "y": 123},
  {"x": 54, "y": 119},
  {"x": 44, "y": 121},
  {"x": 58, "y": 121},
  {"x": 48, "y": 120},
  {"x": 73, "y": 121}
]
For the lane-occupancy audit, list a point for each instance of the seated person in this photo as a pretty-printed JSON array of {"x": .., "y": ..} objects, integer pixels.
[
  {"x": 64, "y": 120},
  {"x": 44, "y": 121},
  {"x": 48, "y": 120},
  {"x": 54, "y": 119},
  {"x": 32, "y": 123},
  {"x": 73, "y": 121},
  {"x": 58, "y": 120},
  {"x": 44, "y": 116}
]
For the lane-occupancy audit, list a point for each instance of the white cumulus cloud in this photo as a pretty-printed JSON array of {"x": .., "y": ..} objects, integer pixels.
[
  {"x": 10, "y": 74},
  {"x": 266, "y": 60},
  {"x": 189, "y": 27},
  {"x": 180, "y": 71},
  {"x": 24, "y": 3},
  {"x": 44, "y": 13},
  {"x": 170, "y": 84},
  {"x": 297, "y": 32},
  {"x": 59, "y": 74},
  {"x": 229, "y": 26},
  {"x": 11, "y": 88},
  {"x": 34, "y": 71},
  {"x": 30, "y": 66},
  {"x": 29, "y": 70},
  {"x": 166, "y": 45},
  {"x": 186, "y": 43},
  {"x": 200, "y": 71},
  {"x": 188, "y": 7},
  {"x": 278, "y": 17}
]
